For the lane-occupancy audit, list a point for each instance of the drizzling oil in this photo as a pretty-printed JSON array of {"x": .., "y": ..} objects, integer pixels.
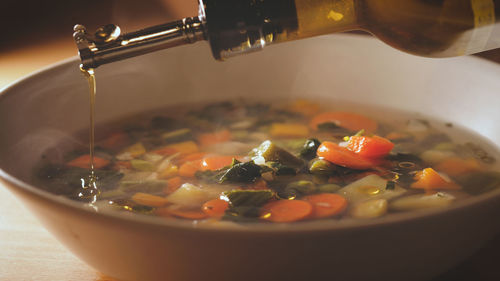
[{"x": 89, "y": 189}]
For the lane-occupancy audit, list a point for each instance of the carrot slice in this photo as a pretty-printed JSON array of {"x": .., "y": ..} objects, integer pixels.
[
  {"x": 214, "y": 138},
  {"x": 343, "y": 157},
  {"x": 326, "y": 204},
  {"x": 84, "y": 162},
  {"x": 166, "y": 150},
  {"x": 216, "y": 162},
  {"x": 348, "y": 120},
  {"x": 189, "y": 169},
  {"x": 215, "y": 208},
  {"x": 428, "y": 178},
  {"x": 149, "y": 199},
  {"x": 122, "y": 165},
  {"x": 455, "y": 166},
  {"x": 191, "y": 157},
  {"x": 372, "y": 147},
  {"x": 286, "y": 210},
  {"x": 172, "y": 185}
]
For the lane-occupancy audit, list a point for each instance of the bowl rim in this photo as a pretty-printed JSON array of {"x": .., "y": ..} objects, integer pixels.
[{"x": 282, "y": 228}]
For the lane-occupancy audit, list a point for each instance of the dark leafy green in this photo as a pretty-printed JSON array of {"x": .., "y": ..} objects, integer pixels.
[
  {"x": 241, "y": 173},
  {"x": 308, "y": 151},
  {"x": 298, "y": 188},
  {"x": 246, "y": 203}
]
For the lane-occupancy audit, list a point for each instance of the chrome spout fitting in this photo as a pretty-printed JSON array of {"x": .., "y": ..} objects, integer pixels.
[{"x": 107, "y": 44}]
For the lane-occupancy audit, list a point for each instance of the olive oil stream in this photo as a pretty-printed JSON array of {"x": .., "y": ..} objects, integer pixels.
[{"x": 89, "y": 190}]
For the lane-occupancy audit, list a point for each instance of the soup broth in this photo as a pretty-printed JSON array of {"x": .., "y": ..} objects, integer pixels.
[{"x": 262, "y": 162}]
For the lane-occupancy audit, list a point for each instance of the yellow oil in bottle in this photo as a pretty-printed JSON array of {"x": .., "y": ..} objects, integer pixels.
[{"x": 433, "y": 28}]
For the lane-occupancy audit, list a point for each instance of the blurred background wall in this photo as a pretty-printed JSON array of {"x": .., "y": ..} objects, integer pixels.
[
  {"x": 36, "y": 33},
  {"x": 27, "y": 22}
]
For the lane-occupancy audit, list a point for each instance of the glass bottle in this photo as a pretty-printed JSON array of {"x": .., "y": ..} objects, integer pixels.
[{"x": 432, "y": 28}]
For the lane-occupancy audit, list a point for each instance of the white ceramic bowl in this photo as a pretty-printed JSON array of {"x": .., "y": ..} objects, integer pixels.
[{"x": 47, "y": 107}]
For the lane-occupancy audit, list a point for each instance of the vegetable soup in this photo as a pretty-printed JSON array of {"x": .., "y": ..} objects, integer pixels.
[{"x": 249, "y": 162}]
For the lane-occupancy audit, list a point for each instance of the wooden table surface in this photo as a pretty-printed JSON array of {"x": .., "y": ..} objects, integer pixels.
[{"x": 29, "y": 252}]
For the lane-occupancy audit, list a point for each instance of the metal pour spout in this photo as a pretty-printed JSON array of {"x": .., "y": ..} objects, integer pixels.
[{"x": 109, "y": 45}]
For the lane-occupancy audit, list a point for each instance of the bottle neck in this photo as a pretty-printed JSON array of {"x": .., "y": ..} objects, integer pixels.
[{"x": 241, "y": 26}]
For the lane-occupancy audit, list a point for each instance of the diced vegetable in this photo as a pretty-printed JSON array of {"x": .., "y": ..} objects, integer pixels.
[
  {"x": 177, "y": 135},
  {"x": 213, "y": 138},
  {"x": 131, "y": 206},
  {"x": 168, "y": 171},
  {"x": 322, "y": 167},
  {"x": 149, "y": 199},
  {"x": 434, "y": 156},
  {"x": 348, "y": 120},
  {"x": 415, "y": 202},
  {"x": 215, "y": 207},
  {"x": 241, "y": 173},
  {"x": 398, "y": 136},
  {"x": 215, "y": 162},
  {"x": 371, "y": 147},
  {"x": 417, "y": 125},
  {"x": 331, "y": 127},
  {"x": 455, "y": 166},
  {"x": 369, "y": 209},
  {"x": 122, "y": 165},
  {"x": 279, "y": 169},
  {"x": 132, "y": 152},
  {"x": 369, "y": 187},
  {"x": 84, "y": 162},
  {"x": 195, "y": 164},
  {"x": 246, "y": 203},
  {"x": 190, "y": 157},
  {"x": 173, "y": 184},
  {"x": 192, "y": 196},
  {"x": 343, "y": 157},
  {"x": 271, "y": 152},
  {"x": 326, "y": 204},
  {"x": 189, "y": 168},
  {"x": 142, "y": 165},
  {"x": 287, "y": 130},
  {"x": 309, "y": 149},
  {"x": 429, "y": 179},
  {"x": 445, "y": 146},
  {"x": 286, "y": 210},
  {"x": 148, "y": 186},
  {"x": 248, "y": 197},
  {"x": 166, "y": 150},
  {"x": 298, "y": 188},
  {"x": 329, "y": 188},
  {"x": 186, "y": 147}
]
